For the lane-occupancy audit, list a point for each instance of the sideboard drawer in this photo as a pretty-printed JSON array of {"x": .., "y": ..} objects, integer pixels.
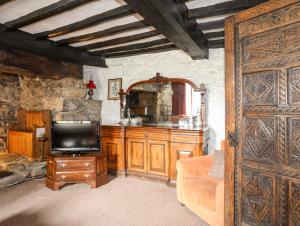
[
  {"x": 117, "y": 131},
  {"x": 158, "y": 136},
  {"x": 185, "y": 138},
  {"x": 74, "y": 177},
  {"x": 136, "y": 134},
  {"x": 78, "y": 165}
]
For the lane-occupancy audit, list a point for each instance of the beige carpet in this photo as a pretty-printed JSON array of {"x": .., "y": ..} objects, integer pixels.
[{"x": 122, "y": 202}]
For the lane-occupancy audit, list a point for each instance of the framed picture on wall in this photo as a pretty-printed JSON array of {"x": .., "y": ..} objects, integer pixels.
[{"x": 114, "y": 86}]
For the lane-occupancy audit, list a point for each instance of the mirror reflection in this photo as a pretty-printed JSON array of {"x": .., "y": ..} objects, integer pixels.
[{"x": 162, "y": 103}]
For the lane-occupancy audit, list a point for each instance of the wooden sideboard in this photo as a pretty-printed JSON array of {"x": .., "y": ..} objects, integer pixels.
[{"x": 150, "y": 151}]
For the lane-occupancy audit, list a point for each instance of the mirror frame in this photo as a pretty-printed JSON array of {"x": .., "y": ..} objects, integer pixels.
[{"x": 160, "y": 79}]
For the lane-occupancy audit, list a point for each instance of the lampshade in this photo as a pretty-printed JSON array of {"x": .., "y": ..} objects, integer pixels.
[{"x": 91, "y": 85}]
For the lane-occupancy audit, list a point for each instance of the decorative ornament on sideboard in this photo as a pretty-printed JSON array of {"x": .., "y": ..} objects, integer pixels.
[
  {"x": 122, "y": 95},
  {"x": 91, "y": 86},
  {"x": 203, "y": 96}
]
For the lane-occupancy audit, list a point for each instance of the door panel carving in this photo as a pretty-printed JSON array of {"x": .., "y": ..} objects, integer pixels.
[
  {"x": 294, "y": 142},
  {"x": 267, "y": 50},
  {"x": 294, "y": 204},
  {"x": 258, "y": 198},
  {"x": 259, "y": 140},
  {"x": 260, "y": 88},
  {"x": 294, "y": 85},
  {"x": 270, "y": 21}
]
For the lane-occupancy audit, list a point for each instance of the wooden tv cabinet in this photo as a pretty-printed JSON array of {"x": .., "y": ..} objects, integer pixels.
[{"x": 89, "y": 168}]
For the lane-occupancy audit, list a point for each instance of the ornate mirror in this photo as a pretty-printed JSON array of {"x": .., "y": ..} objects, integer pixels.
[{"x": 164, "y": 101}]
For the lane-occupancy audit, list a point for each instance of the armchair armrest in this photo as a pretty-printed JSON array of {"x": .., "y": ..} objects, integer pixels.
[{"x": 193, "y": 167}]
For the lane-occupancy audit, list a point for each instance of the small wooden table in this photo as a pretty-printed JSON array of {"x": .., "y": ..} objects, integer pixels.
[{"x": 89, "y": 168}]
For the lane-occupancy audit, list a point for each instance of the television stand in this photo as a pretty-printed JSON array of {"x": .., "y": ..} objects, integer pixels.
[{"x": 90, "y": 168}]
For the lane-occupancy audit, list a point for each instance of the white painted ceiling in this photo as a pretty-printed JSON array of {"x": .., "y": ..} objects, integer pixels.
[
  {"x": 75, "y": 15},
  {"x": 101, "y": 27},
  {"x": 157, "y": 37},
  {"x": 119, "y": 35},
  {"x": 18, "y": 8},
  {"x": 203, "y": 3}
]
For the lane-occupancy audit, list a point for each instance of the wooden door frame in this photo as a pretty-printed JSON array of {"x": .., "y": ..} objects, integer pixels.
[
  {"x": 230, "y": 24},
  {"x": 229, "y": 119}
]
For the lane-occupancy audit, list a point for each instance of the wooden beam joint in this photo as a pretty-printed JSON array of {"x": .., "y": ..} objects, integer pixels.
[{"x": 168, "y": 18}]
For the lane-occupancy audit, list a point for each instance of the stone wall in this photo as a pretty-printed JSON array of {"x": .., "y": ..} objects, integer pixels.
[
  {"x": 171, "y": 64},
  {"x": 64, "y": 97},
  {"x": 9, "y": 102}
]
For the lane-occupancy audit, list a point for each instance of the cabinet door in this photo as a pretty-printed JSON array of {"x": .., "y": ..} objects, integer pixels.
[
  {"x": 20, "y": 143},
  {"x": 181, "y": 151},
  {"x": 114, "y": 149},
  {"x": 137, "y": 154},
  {"x": 158, "y": 157}
]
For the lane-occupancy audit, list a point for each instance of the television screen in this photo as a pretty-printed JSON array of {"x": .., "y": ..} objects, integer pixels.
[{"x": 75, "y": 136}]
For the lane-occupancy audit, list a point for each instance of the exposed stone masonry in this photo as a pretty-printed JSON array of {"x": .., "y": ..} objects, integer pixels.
[
  {"x": 9, "y": 102},
  {"x": 64, "y": 97}
]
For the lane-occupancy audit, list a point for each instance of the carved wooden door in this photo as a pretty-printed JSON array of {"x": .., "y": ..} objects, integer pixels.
[{"x": 263, "y": 45}]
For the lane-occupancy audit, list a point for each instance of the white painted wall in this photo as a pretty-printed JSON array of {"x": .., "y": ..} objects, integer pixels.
[{"x": 170, "y": 64}]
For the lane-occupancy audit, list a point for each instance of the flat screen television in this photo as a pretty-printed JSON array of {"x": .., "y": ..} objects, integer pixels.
[{"x": 75, "y": 136}]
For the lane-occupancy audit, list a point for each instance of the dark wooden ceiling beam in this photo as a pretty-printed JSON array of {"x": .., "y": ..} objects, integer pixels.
[
  {"x": 214, "y": 44},
  {"x": 155, "y": 49},
  {"x": 223, "y": 8},
  {"x": 45, "y": 12},
  {"x": 18, "y": 62},
  {"x": 211, "y": 25},
  {"x": 120, "y": 40},
  {"x": 2, "y": 2},
  {"x": 132, "y": 47},
  {"x": 23, "y": 41},
  {"x": 168, "y": 17},
  {"x": 214, "y": 34},
  {"x": 103, "y": 33},
  {"x": 113, "y": 14}
]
